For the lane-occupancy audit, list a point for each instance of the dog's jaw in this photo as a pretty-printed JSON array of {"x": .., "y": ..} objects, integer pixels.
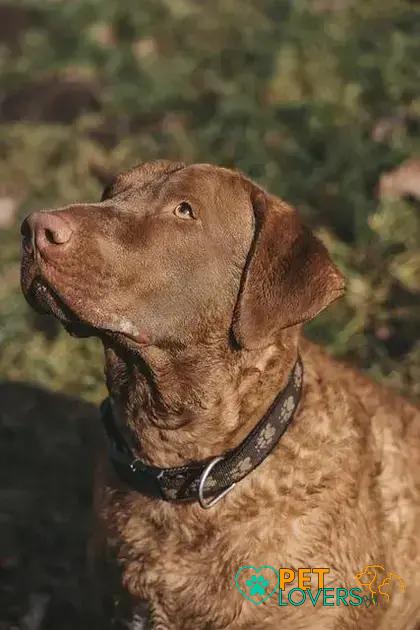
[{"x": 182, "y": 405}]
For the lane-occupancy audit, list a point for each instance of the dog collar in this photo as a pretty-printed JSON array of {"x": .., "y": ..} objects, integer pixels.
[{"x": 209, "y": 480}]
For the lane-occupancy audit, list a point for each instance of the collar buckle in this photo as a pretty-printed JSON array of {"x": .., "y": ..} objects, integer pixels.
[
  {"x": 180, "y": 483},
  {"x": 203, "y": 502}
]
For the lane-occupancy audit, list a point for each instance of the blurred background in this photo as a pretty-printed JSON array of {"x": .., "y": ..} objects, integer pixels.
[{"x": 318, "y": 100}]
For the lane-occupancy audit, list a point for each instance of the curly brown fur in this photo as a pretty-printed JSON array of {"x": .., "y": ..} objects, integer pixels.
[{"x": 201, "y": 318}]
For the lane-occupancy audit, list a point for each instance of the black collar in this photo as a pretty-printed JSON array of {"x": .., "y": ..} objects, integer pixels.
[{"x": 206, "y": 481}]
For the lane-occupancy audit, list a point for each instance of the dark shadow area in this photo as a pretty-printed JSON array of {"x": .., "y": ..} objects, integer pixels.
[{"x": 47, "y": 454}]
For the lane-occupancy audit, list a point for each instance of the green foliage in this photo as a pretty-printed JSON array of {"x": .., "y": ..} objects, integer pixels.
[{"x": 288, "y": 92}]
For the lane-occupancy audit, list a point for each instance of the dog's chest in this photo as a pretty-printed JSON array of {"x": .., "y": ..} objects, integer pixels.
[{"x": 185, "y": 568}]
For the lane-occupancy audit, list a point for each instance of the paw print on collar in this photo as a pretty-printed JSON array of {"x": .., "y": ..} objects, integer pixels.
[
  {"x": 297, "y": 378},
  {"x": 210, "y": 483},
  {"x": 171, "y": 493},
  {"x": 266, "y": 437},
  {"x": 289, "y": 405},
  {"x": 241, "y": 468}
]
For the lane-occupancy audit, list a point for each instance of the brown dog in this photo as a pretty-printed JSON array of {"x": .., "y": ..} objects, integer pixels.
[{"x": 197, "y": 282}]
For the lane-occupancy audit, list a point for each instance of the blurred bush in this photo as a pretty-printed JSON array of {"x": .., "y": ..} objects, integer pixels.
[{"x": 316, "y": 100}]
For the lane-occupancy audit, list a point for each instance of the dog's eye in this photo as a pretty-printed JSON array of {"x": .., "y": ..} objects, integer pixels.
[{"x": 184, "y": 211}]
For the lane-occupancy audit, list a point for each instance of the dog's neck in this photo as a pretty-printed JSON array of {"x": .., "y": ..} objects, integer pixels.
[{"x": 189, "y": 404}]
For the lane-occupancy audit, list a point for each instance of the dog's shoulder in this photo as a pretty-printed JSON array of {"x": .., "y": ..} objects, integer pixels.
[{"x": 382, "y": 404}]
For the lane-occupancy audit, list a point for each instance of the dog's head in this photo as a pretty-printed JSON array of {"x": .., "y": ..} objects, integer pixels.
[{"x": 176, "y": 254}]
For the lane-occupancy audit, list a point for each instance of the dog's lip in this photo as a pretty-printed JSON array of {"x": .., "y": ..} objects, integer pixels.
[{"x": 46, "y": 300}]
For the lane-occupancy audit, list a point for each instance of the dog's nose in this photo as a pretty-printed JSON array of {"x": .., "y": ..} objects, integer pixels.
[{"x": 46, "y": 230}]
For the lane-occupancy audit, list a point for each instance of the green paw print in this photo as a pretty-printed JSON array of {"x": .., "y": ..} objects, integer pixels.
[{"x": 257, "y": 585}]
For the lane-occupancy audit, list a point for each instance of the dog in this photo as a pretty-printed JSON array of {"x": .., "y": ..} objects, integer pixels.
[
  {"x": 375, "y": 579},
  {"x": 235, "y": 442}
]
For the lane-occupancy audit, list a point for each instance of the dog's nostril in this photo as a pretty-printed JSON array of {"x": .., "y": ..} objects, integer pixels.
[
  {"x": 53, "y": 229},
  {"x": 50, "y": 236},
  {"x": 46, "y": 229}
]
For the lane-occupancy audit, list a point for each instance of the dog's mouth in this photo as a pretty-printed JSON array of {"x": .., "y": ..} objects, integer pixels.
[{"x": 45, "y": 300}]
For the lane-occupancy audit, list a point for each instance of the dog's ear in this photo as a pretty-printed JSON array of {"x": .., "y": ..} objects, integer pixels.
[{"x": 288, "y": 277}]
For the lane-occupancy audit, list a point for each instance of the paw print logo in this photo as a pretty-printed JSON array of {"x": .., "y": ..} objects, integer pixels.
[
  {"x": 266, "y": 437},
  {"x": 257, "y": 585}
]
